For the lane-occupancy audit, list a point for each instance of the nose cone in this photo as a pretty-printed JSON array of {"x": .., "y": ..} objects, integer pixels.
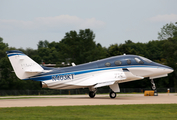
[
  {"x": 166, "y": 68},
  {"x": 169, "y": 70}
]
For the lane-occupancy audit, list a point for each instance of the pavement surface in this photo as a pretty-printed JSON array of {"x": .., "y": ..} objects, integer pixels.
[{"x": 73, "y": 100}]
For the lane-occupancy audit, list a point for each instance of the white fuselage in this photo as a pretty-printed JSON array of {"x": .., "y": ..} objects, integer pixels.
[{"x": 99, "y": 77}]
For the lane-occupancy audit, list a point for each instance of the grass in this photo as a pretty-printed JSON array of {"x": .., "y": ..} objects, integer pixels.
[{"x": 103, "y": 112}]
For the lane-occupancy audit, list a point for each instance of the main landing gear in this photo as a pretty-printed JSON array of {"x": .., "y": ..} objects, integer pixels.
[
  {"x": 92, "y": 93},
  {"x": 154, "y": 87},
  {"x": 112, "y": 94},
  {"x": 114, "y": 88}
]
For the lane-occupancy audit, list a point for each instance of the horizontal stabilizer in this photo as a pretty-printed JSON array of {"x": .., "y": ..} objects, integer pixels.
[{"x": 34, "y": 71}]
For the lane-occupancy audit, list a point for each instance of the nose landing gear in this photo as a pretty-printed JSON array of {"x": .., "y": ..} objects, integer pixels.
[{"x": 154, "y": 87}]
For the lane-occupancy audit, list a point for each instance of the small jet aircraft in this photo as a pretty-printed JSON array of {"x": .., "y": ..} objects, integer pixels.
[{"x": 106, "y": 72}]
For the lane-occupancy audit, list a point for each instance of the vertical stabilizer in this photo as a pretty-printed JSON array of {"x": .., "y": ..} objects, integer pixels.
[{"x": 23, "y": 65}]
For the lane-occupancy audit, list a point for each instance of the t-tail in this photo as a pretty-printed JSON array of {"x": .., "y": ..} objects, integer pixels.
[{"x": 23, "y": 65}]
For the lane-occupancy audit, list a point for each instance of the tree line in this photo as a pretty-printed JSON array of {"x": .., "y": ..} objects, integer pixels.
[{"x": 80, "y": 47}]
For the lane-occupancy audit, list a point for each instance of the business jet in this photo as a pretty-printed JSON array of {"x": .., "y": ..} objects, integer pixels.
[{"x": 106, "y": 72}]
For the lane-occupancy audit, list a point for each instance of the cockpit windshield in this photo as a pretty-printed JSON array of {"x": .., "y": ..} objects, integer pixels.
[{"x": 145, "y": 59}]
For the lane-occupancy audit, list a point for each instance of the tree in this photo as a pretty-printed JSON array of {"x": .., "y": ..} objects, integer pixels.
[
  {"x": 43, "y": 44},
  {"x": 113, "y": 50},
  {"x": 80, "y": 47},
  {"x": 170, "y": 54},
  {"x": 167, "y": 31},
  {"x": 3, "y": 48}
]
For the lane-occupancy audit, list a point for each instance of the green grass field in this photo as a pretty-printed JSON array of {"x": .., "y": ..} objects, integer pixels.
[{"x": 103, "y": 112}]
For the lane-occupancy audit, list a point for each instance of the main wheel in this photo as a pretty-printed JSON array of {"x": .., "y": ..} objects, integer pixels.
[
  {"x": 92, "y": 94},
  {"x": 112, "y": 94}
]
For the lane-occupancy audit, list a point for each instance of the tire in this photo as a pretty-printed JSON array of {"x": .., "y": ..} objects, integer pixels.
[
  {"x": 112, "y": 94},
  {"x": 92, "y": 94},
  {"x": 155, "y": 93}
]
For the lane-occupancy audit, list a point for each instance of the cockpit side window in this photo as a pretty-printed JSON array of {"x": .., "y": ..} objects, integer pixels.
[
  {"x": 107, "y": 64},
  {"x": 139, "y": 61},
  {"x": 128, "y": 61},
  {"x": 145, "y": 59},
  {"x": 117, "y": 62}
]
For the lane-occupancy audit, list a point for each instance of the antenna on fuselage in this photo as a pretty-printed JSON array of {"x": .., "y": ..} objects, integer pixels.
[{"x": 73, "y": 64}]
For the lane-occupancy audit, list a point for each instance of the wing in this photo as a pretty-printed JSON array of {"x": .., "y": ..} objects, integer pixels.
[{"x": 108, "y": 78}]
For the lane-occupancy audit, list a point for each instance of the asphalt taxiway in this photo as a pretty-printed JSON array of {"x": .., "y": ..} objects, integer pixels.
[{"x": 73, "y": 100}]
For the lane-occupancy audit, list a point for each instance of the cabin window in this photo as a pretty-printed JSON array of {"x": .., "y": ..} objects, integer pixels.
[
  {"x": 117, "y": 62},
  {"x": 108, "y": 64},
  {"x": 128, "y": 61},
  {"x": 139, "y": 61}
]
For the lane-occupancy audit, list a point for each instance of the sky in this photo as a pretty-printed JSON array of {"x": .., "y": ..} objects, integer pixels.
[{"x": 23, "y": 23}]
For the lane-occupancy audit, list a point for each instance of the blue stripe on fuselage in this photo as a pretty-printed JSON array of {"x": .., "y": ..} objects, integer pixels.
[{"x": 49, "y": 76}]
